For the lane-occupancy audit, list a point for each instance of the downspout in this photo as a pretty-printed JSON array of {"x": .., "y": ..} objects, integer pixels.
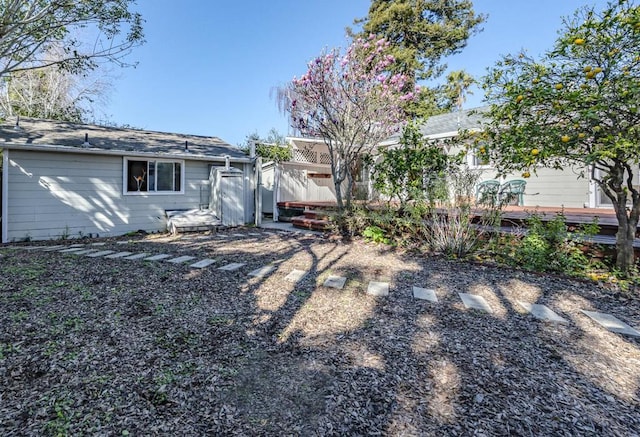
[
  {"x": 4, "y": 217},
  {"x": 258, "y": 192}
]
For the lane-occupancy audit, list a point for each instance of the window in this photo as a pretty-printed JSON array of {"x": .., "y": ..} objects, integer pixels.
[
  {"x": 157, "y": 176},
  {"x": 479, "y": 157}
]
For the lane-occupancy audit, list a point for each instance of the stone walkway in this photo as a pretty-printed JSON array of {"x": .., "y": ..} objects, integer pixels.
[{"x": 374, "y": 288}]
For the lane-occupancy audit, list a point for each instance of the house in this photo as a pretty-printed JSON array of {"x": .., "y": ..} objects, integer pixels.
[
  {"x": 64, "y": 180},
  {"x": 545, "y": 187},
  {"x": 308, "y": 176}
]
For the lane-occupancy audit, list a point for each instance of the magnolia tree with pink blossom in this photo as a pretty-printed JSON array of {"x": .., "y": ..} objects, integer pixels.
[{"x": 349, "y": 100}]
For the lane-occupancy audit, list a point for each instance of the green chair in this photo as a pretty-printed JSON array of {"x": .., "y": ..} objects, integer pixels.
[
  {"x": 512, "y": 192},
  {"x": 487, "y": 192}
]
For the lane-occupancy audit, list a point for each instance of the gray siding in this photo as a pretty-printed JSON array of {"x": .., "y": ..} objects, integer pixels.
[
  {"x": 52, "y": 195},
  {"x": 551, "y": 187}
]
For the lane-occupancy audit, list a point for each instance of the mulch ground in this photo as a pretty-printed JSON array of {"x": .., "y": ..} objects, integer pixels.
[{"x": 113, "y": 347}]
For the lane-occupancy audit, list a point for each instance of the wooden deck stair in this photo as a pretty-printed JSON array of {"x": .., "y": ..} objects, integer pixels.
[{"x": 316, "y": 220}]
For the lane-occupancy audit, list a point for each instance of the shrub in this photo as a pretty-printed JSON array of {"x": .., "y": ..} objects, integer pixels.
[{"x": 550, "y": 247}]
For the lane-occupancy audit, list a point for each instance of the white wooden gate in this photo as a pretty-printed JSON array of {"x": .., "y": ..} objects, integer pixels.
[{"x": 227, "y": 195}]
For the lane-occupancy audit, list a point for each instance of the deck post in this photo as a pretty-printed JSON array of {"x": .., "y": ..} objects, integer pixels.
[{"x": 276, "y": 190}]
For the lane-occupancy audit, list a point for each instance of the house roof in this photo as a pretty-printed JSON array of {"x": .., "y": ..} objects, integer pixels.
[
  {"x": 60, "y": 135},
  {"x": 450, "y": 123},
  {"x": 447, "y": 125}
]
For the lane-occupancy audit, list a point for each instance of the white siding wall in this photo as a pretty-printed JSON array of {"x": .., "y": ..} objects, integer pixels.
[
  {"x": 550, "y": 187},
  {"x": 62, "y": 194},
  {"x": 268, "y": 175},
  {"x": 296, "y": 185}
]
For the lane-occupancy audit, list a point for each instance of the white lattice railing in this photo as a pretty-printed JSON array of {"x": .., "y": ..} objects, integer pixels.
[
  {"x": 325, "y": 158},
  {"x": 305, "y": 156}
]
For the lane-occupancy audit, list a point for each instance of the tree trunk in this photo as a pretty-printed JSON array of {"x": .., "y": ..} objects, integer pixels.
[
  {"x": 338, "y": 186},
  {"x": 349, "y": 191},
  {"x": 627, "y": 225}
]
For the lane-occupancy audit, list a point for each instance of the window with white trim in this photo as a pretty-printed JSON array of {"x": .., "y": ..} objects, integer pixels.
[
  {"x": 155, "y": 176},
  {"x": 479, "y": 157}
]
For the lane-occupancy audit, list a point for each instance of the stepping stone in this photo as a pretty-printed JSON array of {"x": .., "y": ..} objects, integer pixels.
[
  {"x": 262, "y": 271},
  {"x": 222, "y": 236},
  {"x": 238, "y": 235},
  {"x": 612, "y": 323},
  {"x": 30, "y": 247},
  {"x": 137, "y": 256},
  {"x": 98, "y": 244},
  {"x": 475, "y": 302},
  {"x": 158, "y": 257},
  {"x": 425, "y": 294},
  {"x": 71, "y": 249},
  {"x": 181, "y": 259},
  {"x": 296, "y": 276},
  {"x": 202, "y": 264},
  {"x": 271, "y": 233},
  {"x": 101, "y": 253},
  {"x": 231, "y": 267},
  {"x": 76, "y": 245},
  {"x": 122, "y": 242},
  {"x": 84, "y": 251},
  {"x": 378, "y": 288},
  {"x": 335, "y": 282},
  {"x": 542, "y": 312},
  {"x": 118, "y": 255},
  {"x": 53, "y": 248},
  {"x": 254, "y": 234}
]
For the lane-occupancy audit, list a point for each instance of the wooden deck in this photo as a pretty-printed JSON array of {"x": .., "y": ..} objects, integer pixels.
[
  {"x": 517, "y": 216},
  {"x": 606, "y": 216}
]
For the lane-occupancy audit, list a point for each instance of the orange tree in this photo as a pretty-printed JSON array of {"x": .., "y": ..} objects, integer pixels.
[{"x": 576, "y": 106}]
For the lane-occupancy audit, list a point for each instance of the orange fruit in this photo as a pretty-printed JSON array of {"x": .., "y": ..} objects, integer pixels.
[
  {"x": 578, "y": 41},
  {"x": 519, "y": 98},
  {"x": 565, "y": 138},
  {"x": 559, "y": 86},
  {"x": 526, "y": 174},
  {"x": 597, "y": 70},
  {"x": 591, "y": 75},
  {"x": 581, "y": 135},
  {"x": 535, "y": 152},
  {"x": 587, "y": 68}
]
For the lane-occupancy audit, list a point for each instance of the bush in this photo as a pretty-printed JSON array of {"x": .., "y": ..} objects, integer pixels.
[
  {"x": 376, "y": 235},
  {"x": 550, "y": 247}
]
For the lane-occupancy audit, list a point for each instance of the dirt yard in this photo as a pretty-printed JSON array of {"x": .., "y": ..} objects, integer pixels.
[{"x": 96, "y": 346}]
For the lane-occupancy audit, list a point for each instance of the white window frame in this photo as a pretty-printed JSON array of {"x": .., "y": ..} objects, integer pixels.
[
  {"x": 125, "y": 177},
  {"x": 472, "y": 157}
]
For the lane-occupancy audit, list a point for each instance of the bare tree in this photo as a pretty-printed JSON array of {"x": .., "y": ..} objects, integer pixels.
[
  {"x": 28, "y": 28},
  {"x": 52, "y": 93}
]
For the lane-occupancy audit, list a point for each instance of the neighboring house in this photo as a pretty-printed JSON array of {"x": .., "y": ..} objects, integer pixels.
[
  {"x": 70, "y": 180},
  {"x": 545, "y": 187}
]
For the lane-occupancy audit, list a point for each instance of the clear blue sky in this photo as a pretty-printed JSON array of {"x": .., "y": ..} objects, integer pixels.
[{"x": 208, "y": 66}]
